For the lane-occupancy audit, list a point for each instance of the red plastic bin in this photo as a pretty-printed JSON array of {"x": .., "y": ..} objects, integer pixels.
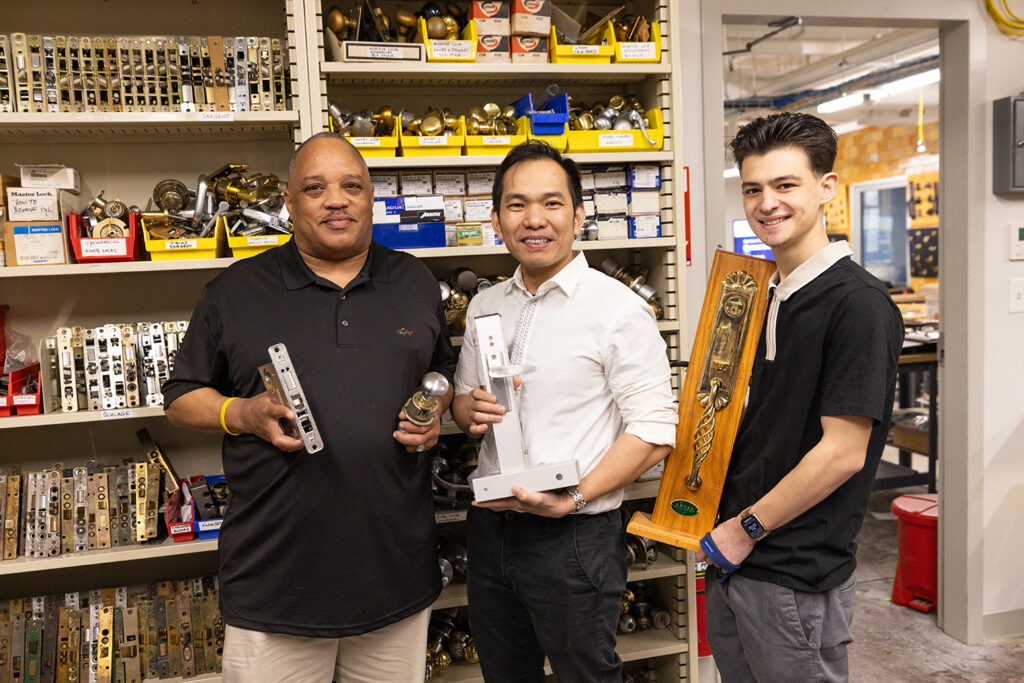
[{"x": 917, "y": 519}]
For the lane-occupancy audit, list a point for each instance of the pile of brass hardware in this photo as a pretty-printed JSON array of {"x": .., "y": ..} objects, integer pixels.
[
  {"x": 104, "y": 217},
  {"x": 632, "y": 29},
  {"x": 434, "y": 122},
  {"x": 620, "y": 112},
  {"x": 448, "y": 640},
  {"x": 638, "y": 613},
  {"x": 363, "y": 124},
  {"x": 449, "y": 473},
  {"x": 640, "y": 550},
  {"x": 251, "y": 203},
  {"x": 366, "y": 21},
  {"x": 462, "y": 285},
  {"x": 635, "y": 277},
  {"x": 490, "y": 119}
]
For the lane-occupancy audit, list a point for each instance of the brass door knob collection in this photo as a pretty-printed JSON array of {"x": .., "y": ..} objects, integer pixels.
[{"x": 366, "y": 21}]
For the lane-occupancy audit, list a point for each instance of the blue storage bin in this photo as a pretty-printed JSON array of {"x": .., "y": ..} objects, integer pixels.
[
  {"x": 409, "y": 235},
  {"x": 545, "y": 123}
]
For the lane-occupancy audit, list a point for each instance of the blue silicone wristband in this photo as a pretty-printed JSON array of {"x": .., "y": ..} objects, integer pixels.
[{"x": 707, "y": 544}]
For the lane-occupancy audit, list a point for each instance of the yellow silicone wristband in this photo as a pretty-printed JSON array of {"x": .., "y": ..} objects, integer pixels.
[{"x": 223, "y": 411}]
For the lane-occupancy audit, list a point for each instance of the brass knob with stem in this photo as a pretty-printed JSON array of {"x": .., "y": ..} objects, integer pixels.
[{"x": 406, "y": 23}]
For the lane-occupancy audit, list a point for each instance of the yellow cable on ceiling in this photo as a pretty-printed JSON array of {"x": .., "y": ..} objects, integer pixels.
[{"x": 1012, "y": 25}]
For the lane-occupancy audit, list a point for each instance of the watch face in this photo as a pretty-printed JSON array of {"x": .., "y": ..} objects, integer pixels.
[{"x": 752, "y": 526}]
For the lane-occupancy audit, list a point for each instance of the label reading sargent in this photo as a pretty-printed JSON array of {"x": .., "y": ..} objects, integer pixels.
[{"x": 684, "y": 508}]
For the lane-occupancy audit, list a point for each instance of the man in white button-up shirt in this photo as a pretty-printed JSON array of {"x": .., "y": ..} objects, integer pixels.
[{"x": 547, "y": 569}]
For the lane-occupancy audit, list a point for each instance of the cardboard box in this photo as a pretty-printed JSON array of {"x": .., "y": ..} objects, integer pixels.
[
  {"x": 644, "y": 176},
  {"x": 587, "y": 179},
  {"x": 478, "y": 209},
  {"x": 450, "y": 183},
  {"x": 384, "y": 184},
  {"x": 610, "y": 176},
  {"x": 421, "y": 209},
  {"x": 35, "y": 243},
  {"x": 50, "y": 175},
  {"x": 531, "y": 18},
  {"x": 414, "y": 183},
  {"x": 611, "y": 202},
  {"x": 410, "y": 235},
  {"x": 492, "y": 18},
  {"x": 453, "y": 210},
  {"x": 479, "y": 182},
  {"x": 529, "y": 50},
  {"x": 612, "y": 227},
  {"x": 588, "y": 204},
  {"x": 468, "y": 234},
  {"x": 644, "y": 201},
  {"x": 493, "y": 50},
  {"x": 7, "y": 181},
  {"x": 645, "y": 227},
  {"x": 33, "y": 204}
]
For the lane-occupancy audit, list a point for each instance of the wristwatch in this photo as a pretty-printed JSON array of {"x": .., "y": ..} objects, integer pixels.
[
  {"x": 752, "y": 525},
  {"x": 577, "y": 498}
]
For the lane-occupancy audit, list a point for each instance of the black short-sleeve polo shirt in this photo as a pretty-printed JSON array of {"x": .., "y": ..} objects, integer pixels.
[
  {"x": 340, "y": 542},
  {"x": 836, "y": 343}
]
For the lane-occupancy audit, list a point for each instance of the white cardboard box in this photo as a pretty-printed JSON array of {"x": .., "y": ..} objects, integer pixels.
[
  {"x": 50, "y": 175},
  {"x": 33, "y": 204}
]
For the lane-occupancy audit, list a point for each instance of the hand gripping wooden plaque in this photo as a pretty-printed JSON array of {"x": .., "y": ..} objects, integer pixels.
[{"x": 711, "y": 403}]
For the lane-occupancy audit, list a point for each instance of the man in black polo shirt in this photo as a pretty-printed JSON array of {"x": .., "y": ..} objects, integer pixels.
[
  {"x": 328, "y": 562},
  {"x": 820, "y": 401}
]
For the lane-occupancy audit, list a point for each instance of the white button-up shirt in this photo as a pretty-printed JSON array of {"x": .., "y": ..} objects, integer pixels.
[{"x": 601, "y": 368}]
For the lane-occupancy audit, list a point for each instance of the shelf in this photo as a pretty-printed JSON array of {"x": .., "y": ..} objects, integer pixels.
[
  {"x": 50, "y": 419},
  {"x": 128, "y": 267},
  {"x": 663, "y": 326},
  {"x": 495, "y": 159},
  {"x": 208, "y": 678},
  {"x": 440, "y": 252},
  {"x": 117, "y": 123},
  {"x": 631, "y": 648},
  {"x": 440, "y": 74},
  {"x": 131, "y": 553}
]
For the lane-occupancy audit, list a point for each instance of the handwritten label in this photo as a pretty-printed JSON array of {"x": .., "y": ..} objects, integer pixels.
[
  {"x": 32, "y": 204},
  {"x": 180, "y": 244},
  {"x": 209, "y": 524},
  {"x": 3, "y": 402},
  {"x": 637, "y": 50},
  {"x": 365, "y": 142},
  {"x": 436, "y": 140},
  {"x": 260, "y": 240},
  {"x": 497, "y": 140},
  {"x": 451, "y": 49},
  {"x": 181, "y": 528},
  {"x": 384, "y": 52},
  {"x": 100, "y": 246},
  {"x": 585, "y": 49},
  {"x": 615, "y": 139},
  {"x": 26, "y": 400},
  {"x": 217, "y": 116},
  {"x": 118, "y": 414}
]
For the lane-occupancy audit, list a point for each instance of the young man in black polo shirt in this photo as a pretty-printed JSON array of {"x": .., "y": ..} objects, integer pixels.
[{"x": 820, "y": 401}]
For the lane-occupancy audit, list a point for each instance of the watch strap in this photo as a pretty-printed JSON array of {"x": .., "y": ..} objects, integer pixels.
[
  {"x": 751, "y": 523},
  {"x": 577, "y": 498},
  {"x": 707, "y": 544}
]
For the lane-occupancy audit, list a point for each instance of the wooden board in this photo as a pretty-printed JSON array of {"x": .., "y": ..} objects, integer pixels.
[{"x": 681, "y": 515}]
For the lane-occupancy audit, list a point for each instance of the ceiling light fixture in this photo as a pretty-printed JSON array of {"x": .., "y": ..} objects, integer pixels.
[
  {"x": 840, "y": 103},
  {"x": 909, "y": 83},
  {"x": 731, "y": 173},
  {"x": 848, "y": 127}
]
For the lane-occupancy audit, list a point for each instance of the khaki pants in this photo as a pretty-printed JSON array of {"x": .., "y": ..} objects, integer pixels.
[{"x": 393, "y": 653}]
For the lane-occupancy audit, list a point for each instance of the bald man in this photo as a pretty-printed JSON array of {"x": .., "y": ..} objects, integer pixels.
[{"x": 328, "y": 562}]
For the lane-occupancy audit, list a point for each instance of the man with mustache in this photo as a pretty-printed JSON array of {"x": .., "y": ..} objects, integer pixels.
[{"x": 328, "y": 562}]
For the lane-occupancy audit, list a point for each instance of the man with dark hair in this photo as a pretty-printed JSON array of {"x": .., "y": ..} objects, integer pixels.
[
  {"x": 307, "y": 535},
  {"x": 780, "y": 602},
  {"x": 547, "y": 569}
]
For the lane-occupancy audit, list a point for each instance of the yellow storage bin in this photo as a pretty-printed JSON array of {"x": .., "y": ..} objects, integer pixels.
[
  {"x": 559, "y": 142},
  {"x": 494, "y": 144},
  {"x": 241, "y": 245},
  {"x": 620, "y": 140},
  {"x": 591, "y": 53},
  {"x": 635, "y": 53},
  {"x": 182, "y": 250},
  {"x": 386, "y": 146},
  {"x": 463, "y": 50},
  {"x": 431, "y": 145}
]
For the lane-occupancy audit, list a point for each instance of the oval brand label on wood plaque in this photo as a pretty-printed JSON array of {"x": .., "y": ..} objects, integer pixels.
[{"x": 684, "y": 508}]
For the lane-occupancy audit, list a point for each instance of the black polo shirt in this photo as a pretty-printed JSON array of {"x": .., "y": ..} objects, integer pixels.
[
  {"x": 341, "y": 542},
  {"x": 829, "y": 346}
]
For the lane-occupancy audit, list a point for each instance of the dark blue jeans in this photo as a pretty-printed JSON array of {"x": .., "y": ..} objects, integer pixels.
[{"x": 552, "y": 587}]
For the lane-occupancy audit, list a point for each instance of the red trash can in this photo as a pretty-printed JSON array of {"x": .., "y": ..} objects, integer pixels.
[{"x": 917, "y": 519}]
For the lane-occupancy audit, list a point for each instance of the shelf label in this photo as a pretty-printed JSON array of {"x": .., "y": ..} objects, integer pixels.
[
  {"x": 365, "y": 142},
  {"x": 104, "y": 246},
  {"x": 209, "y": 524},
  {"x": 585, "y": 49},
  {"x": 451, "y": 49},
  {"x": 425, "y": 140},
  {"x": 180, "y": 244},
  {"x": 217, "y": 116},
  {"x": 497, "y": 140},
  {"x": 3, "y": 401},
  {"x": 637, "y": 50},
  {"x": 260, "y": 240},
  {"x": 118, "y": 414},
  {"x": 615, "y": 139},
  {"x": 25, "y": 400},
  {"x": 449, "y": 516}
]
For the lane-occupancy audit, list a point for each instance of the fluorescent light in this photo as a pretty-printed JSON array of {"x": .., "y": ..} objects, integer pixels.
[
  {"x": 909, "y": 83},
  {"x": 731, "y": 173},
  {"x": 848, "y": 127},
  {"x": 840, "y": 103}
]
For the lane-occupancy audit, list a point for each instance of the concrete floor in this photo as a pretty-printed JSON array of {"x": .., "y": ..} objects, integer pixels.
[{"x": 900, "y": 644}]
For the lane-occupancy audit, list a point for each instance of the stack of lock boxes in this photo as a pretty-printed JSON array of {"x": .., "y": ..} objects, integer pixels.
[
  {"x": 514, "y": 31},
  {"x": 624, "y": 199},
  {"x": 442, "y": 208},
  {"x": 33, "y": 221}
]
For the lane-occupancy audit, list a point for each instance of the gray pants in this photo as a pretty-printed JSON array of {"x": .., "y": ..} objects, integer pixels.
[{"x": 763, "y": 632}]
